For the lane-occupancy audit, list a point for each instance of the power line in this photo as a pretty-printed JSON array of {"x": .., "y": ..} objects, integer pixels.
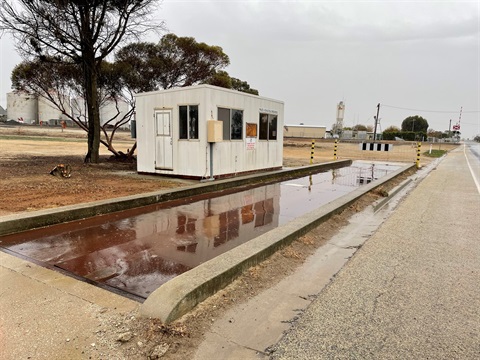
[{"x": 434, "y": 111}]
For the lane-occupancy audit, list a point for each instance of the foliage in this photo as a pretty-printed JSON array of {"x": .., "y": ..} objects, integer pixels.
[
  {"x": 82, "y": 32},
  {"x": 359, "y": 127},
  {"x": 220, "y": 78},
  {"x": 476, "y": 138},
  {"x": 173, "y": 62},
  {"x": 415, "y": 124},
  {"x": 405, "y": 135},
  {"x": 391, "y": 129},
  {"x": 435, "y": 134},
  {"x": 242, "y": 86}
]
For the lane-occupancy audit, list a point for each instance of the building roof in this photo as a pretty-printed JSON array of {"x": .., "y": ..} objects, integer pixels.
[{"x": 2, "y": 111}]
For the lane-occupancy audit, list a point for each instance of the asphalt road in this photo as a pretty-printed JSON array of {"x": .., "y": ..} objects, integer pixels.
[{"x": 413, "y": 290}]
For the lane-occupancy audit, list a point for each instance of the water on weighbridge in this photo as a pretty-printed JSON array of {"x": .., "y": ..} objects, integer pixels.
[{"x": 138, "y": 250}]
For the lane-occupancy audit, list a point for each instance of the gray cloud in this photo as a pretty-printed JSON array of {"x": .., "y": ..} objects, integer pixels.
[{"x": 312, "y": 54}]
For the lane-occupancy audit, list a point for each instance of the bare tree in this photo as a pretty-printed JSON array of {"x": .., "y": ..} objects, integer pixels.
[
  {"x": 60, "y": 83},
  {"x": 83, "y": 31}
]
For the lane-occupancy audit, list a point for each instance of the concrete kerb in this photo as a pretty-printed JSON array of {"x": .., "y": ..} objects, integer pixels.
[
  {"x": 181, "y": 294},
  {"x": 382, "y": 202},
  {"x": 30, "y": 220}
]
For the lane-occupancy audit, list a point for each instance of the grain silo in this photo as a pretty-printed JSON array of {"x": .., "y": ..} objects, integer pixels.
[{"x": 22, "y": 107}]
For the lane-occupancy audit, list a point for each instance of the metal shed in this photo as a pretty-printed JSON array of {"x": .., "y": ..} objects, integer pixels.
[{"x": 205, "y": 131}]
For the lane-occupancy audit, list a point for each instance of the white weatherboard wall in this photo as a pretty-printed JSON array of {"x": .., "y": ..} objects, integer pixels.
[{"x": 191, "y": 157}]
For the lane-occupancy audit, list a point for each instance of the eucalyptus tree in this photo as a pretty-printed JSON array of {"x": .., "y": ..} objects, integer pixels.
[
  {"x": 84, "y": 32},
  {"x": 175, "y": 62},
  {"x": 415, "y": 124}
]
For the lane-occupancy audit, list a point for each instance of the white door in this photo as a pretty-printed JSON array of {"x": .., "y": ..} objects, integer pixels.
[{"x": 163, "y": 140}]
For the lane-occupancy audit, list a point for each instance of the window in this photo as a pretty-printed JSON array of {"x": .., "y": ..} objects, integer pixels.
[
  {"x": 188, "y": 122},
  {"x": 268, "y": 127},
  {"x": 232, "y": 123}
]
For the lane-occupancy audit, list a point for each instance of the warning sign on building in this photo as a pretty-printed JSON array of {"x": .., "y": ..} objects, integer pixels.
[{"x": 251, "y": 143}]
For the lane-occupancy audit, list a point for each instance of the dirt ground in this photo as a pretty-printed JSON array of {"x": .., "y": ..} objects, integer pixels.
[{"x": 28, "y": 156}]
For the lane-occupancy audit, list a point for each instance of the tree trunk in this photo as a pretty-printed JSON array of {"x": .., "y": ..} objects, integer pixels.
[{"x": 93, "y": 113}]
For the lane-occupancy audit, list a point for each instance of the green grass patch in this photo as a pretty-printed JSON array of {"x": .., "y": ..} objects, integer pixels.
[{"x": 435, "y": 153}]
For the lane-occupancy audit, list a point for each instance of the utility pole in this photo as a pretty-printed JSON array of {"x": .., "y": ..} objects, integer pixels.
[
  {"x": 375, "y": 127},
  {"x": 449, "y": 127}
]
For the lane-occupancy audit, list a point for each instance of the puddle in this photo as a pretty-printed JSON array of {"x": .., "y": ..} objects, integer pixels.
[{"x": 138, "y": 250}]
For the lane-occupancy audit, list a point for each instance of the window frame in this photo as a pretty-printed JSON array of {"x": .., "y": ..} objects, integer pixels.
[
  {"x": 188, "y": 124},
  {"x": 266, "y": 134},
  {"x": 228, "y": 125}
]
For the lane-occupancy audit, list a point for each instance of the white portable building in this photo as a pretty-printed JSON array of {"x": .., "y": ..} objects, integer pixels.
[{"x": 205, "y": 131}]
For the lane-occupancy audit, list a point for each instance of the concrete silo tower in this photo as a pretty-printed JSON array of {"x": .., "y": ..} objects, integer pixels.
[
  {"x": 338, "y": 127},
  {"x": 22, "y": 107}
]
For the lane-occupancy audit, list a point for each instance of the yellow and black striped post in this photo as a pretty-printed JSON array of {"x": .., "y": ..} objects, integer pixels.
[
  {"x": 419, "y": 147},
  {"x": 312, "y": 152},
  {"x": 335, "y": 150}
]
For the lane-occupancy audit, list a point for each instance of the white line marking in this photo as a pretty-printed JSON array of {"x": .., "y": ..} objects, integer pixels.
[{"x": 470, "y": 167}]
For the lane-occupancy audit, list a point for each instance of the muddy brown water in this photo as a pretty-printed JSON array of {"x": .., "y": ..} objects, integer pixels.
[{"x": 138, "y": 250}]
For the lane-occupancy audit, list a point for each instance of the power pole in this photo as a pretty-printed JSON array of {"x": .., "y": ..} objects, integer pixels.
[{"x": 375, "y": 127}]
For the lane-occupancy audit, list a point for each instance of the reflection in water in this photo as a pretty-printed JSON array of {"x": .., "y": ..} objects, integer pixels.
[{"x": 139, "y": 253}]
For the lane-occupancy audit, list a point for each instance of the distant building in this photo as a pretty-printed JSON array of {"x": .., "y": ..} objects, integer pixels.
[
  {"x": 3, "y": 112},
  {"x": 304, "y": 131},
  {"x": 356, "y": 135},
  {"x": 31, "y": 109}
]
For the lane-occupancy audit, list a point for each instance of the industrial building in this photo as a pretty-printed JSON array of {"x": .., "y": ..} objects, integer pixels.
[
  {"x": 32, "y": 109},
  {"x": 205, "y": 131}
]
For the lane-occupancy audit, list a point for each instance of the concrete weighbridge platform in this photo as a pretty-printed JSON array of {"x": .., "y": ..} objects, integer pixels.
[{"x": 181, "y": 294}]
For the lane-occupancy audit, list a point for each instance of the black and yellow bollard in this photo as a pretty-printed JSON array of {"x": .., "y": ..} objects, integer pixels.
[
  {"x": 312, "y": 152},
  {"x": 335, "y": 150},
  {"x": 419, "y": 147}
]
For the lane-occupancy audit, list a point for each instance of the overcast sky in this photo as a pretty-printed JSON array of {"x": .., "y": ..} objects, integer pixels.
[{"x": 421, "y": 56}]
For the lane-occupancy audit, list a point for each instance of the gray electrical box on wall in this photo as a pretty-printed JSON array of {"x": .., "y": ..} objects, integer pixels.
[{"x": 214, "y": 131}]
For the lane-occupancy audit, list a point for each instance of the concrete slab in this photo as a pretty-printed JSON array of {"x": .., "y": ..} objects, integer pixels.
[{"x": 49, "y": 315}]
